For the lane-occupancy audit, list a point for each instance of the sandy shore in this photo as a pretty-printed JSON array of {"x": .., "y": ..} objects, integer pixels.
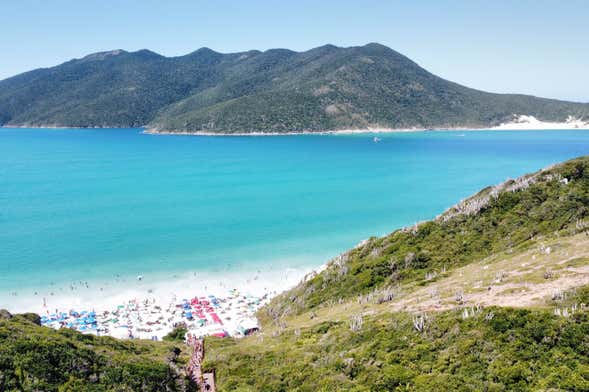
[
  {"x": 98, "y": 295},
  {"x": 208, "y": 303},
  {"x": 519, "y": 123},
  {"x": 334, "y": 132}
]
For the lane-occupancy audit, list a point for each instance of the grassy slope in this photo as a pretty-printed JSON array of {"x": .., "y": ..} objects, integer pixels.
[
  {"x": 35, "y": 358},
  {"x": 497, "y": 349},
  {"x": 352, "y": 326},
  {"x": 467, "y": 345},
  {"x": 503, "y": 218}
]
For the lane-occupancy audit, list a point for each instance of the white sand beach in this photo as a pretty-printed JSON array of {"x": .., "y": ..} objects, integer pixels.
[
  {"x": 520, "y": 122},
  {"x": 221, "y": 304}
]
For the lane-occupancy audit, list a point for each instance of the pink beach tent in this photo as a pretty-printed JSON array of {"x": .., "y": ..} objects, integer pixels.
[{"x": 216, "y": 318}]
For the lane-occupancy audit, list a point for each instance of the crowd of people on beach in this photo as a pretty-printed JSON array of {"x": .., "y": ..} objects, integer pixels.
[{"x": 231, "y": 315}]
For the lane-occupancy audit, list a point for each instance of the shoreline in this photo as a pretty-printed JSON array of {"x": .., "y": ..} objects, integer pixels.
[
  {"x": 150, "y": 308},
  {"x": 520, "y": 123},
  {"x": 63, "y": 127},
  {"x": 97, "y": 295},
  {"x": 165, "y": 291},
  {"x": 351, "y": 132}
]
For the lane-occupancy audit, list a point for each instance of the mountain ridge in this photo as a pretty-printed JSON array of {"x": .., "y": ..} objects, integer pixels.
[{"x": 275, "y": 91}]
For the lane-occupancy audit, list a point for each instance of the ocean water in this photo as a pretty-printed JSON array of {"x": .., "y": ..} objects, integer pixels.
[{"x": 83, "y": 209}]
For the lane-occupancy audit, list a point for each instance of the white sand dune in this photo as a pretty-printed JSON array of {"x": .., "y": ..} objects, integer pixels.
[{"x": 523, "y": 122}]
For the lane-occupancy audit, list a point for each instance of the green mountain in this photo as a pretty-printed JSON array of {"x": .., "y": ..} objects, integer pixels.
[{"x": 326, "y": 88}]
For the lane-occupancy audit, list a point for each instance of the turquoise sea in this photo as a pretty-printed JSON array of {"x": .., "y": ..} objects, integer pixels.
[{"x": 94, "y": 204}]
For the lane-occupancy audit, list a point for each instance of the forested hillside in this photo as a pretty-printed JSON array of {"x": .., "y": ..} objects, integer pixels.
[{"x": 278, "y": 90}]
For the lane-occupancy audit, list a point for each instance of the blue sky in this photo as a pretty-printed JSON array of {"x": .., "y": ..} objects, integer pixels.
[{"x": 536, "y": 47}]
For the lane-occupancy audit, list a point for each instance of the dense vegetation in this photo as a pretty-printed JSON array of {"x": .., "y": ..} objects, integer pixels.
[
  {"x": 496, "y": 349},
  {"x": 35, "y": 358},
  {"x": 277, "y": 90},
  {"x": 323, "y": 336},
  {"x": 497, "y": 219}
]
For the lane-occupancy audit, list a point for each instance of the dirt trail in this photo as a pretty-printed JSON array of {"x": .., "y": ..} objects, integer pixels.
[{"x": 206, "y": 381}]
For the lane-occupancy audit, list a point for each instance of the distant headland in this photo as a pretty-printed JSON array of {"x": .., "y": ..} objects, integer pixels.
[{"x": 278, "y": 91}]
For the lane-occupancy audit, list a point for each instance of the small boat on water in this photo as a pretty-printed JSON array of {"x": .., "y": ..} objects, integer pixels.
[{"x": 376, "y": 139}]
